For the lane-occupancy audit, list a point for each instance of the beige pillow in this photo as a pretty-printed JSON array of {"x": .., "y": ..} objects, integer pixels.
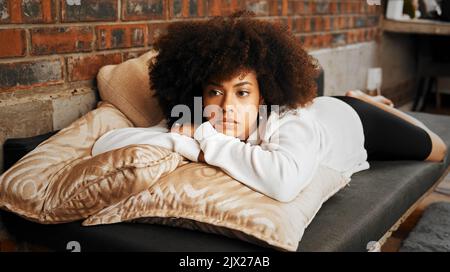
[
  {"x": 126, "y": 86},
  {"x": 60, "y": 181},
  {"x": 202, "y": 197}
]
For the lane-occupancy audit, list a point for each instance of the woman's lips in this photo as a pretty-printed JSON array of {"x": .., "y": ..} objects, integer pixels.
[
  {"x": 226, "y": 123},
  {"x": 228, "y": 120},
  {"x": 231, "y": 122}
]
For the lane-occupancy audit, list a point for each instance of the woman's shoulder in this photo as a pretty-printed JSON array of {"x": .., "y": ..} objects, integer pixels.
[
  {"x": 326, "y": 100},
  {"x": 329, "y": 101},
  {"x": 317, "y": 102}
]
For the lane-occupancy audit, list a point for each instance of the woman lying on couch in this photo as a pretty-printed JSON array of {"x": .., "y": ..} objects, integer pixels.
[{"x": 258, "y": 117}]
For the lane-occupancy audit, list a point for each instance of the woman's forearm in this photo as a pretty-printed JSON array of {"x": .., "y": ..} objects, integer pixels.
[{"x": 280, "y": 171}]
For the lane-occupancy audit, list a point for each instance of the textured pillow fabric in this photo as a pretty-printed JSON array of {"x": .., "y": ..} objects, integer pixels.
[
  {"x": 126, "y": 86},
  {"x": 59, "y": 181},
  {"x": 202, "y": 197}
]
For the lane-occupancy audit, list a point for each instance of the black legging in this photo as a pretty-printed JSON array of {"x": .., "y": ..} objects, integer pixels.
[{"x": 387, "y": 136}]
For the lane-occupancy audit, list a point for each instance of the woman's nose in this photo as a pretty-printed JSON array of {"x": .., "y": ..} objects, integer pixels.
[{"x": 228, "y": 103}]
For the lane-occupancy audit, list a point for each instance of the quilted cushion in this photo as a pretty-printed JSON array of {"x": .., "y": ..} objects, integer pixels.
[
  {"x": 201, "y": 197},
  {"x": 59, "y": 181}
]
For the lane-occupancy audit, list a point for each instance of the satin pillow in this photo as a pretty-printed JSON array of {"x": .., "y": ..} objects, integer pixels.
[
  {"x": 202, "y": 197},
  {"x": 127, "y": 87},
  {"x": 59, "y": 181}
]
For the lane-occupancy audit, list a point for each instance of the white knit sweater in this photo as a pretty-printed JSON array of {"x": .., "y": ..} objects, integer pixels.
[{"x": 281, "y": 156}]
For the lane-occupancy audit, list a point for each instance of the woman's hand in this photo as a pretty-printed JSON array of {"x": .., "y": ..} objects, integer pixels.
[{"x": 186, "y": 129}]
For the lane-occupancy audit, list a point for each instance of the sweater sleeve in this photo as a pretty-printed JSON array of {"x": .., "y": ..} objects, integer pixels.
[
  {"x": 280, "y": 167},
  {"x": 156, "y": 135}
]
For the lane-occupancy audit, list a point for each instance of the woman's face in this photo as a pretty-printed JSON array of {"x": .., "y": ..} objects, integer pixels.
[{"x": 232, "y": 106}]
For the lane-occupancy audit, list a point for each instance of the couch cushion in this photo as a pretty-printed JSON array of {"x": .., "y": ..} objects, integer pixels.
[{"x": 127, "y": 87}]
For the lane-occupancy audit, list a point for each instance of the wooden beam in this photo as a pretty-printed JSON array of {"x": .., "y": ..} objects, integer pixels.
[{"x": 416, "y": 26}]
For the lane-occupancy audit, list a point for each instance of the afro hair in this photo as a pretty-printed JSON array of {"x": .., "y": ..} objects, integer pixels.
[{"x": 191, "y": 53}]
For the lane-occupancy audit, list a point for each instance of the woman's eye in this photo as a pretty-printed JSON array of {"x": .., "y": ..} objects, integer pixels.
[
  {"x": 243, "y": 93},
  {"x": 215, "y": 92}
]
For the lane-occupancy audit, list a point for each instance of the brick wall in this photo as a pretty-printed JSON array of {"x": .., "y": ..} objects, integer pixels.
[
  {"x": 51, "y": 50},
  {"x": 50, "y": 42}
]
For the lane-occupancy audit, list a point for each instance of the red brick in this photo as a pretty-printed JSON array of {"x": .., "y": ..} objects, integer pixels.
[
  {"x": 53, "y": 40},
  {"x": 13, "y": 43},
  {"x": 360, "y": 34},
  {"x": 121, "y": 36},
  {"x": 214, "y": 7},
  {"x": 307, "y": 7},
  {"x": 351, "y": 21},
  {"x": 322, "y": 40},
  {"x": 187, "y": 8},
  {"x": 326, "y": 23},
  {"x": 288, "y": 22},
  {"x": 284, "y": 7},
  {"x": 311, "y": 7},
  {"x": 299, "y": 7},
  {"x": 30, "y": 73},
  {"x": 89, "y": 10},
  {"x": 15, "y": 9},
  {"x": 307, "y": 24},
  {"x": 307, "y": 41},
  {"x": 316, "y": 40},
  {"x": 30, "y": 11},
  {"x": 155, "y": 30},
  {"x": 322, "y": 7},
  {"x": 274, "y": 7},
  {"x": 377, "y": 10},
  {"x": 333, "y": 7},
  {"x": 327, "y": 40},
  {"x": 351, "y": 36},
  {"x": 4, "y": 12},
  {"x": 353, "y": 7},
  {"x": 38, "y": 11},
  {"x": 357, "y": 6},
  {"x": 225, "y": 7},
  {"x": 362, "y": 8},
  {"x": 342, "y": 22},
  {"x": 86, "y": 67},
  {"x": 336, "y": 23},
  {"x": 297, "y": 25},
  {"x": 133, "y": 10},
  {"x": 318, "y": 23},
  {"x": 291, "y": 7}
]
